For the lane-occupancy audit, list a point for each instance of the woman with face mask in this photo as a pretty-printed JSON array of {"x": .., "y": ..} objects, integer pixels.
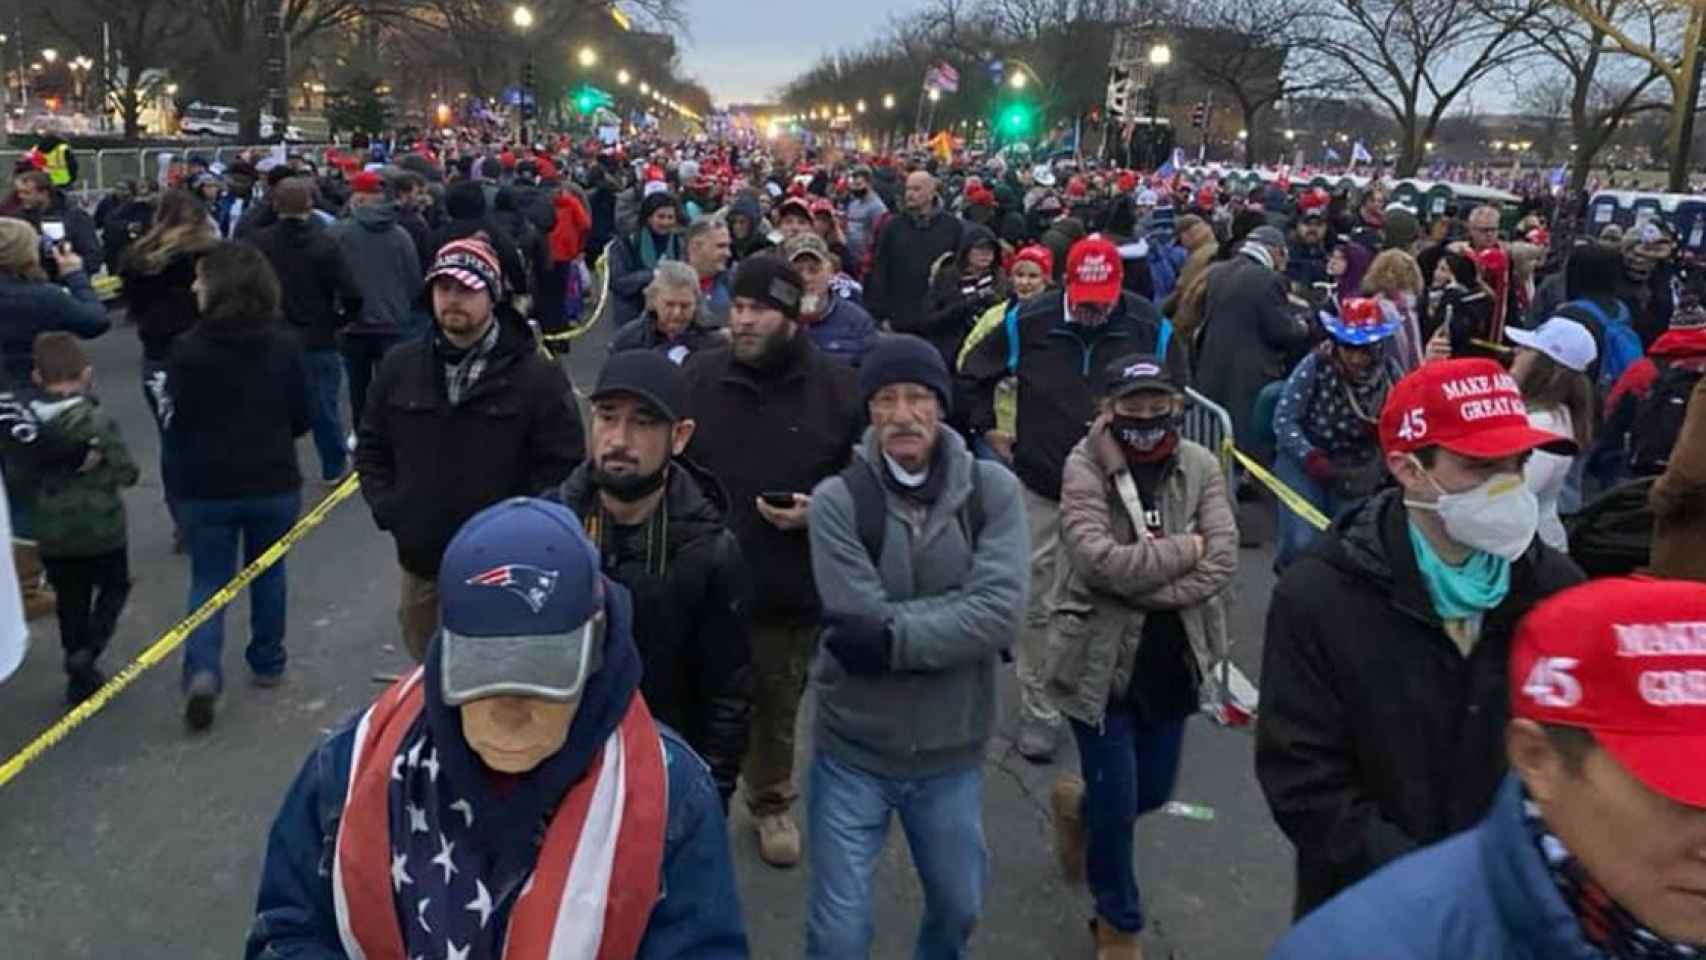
[
  {"x": 1551, "y": 370},
  {"x": 1148, "y": 534},
  {"x": 1325, "y": 421},
  {"x": 1028, "y": 276}
]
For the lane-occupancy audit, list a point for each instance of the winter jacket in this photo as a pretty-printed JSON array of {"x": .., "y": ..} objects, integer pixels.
[
  {"x": 956, "y": 300},
  {"x": 641, "y": 333},
  {"x": 697, "y": 913},
  {"x": 1305, "y": 263},
  {"x": 951, "y": 603},
  {"x": 1486, "y": 892},
  {"x": 381, "y": 259},
  {"x": 1314, "y": 412},
  {"x": 234, "y": 402},
  {"x": 1367, "y": 750},
  {"x": 1678, "y": 499},
  {"x": 1059, "y": 373},
  {"x": 897, "y": 287},
  {"x": 845, "y": 332},
  {"x": 1683, "y": 347},
  {"x": 29, "y": 307},
  {"x": 120, "y": 227},
  {"x": 806, "y": 413},
  {"x": 160, "y": 302},
  {"x": 629, "y": 276},
  {"x": 1184, "y": 305},
  {"x": 690, "y": 590},
  {"x": 1248, "y": 331},
  {"x": 311, "y": 277},
  {"x": 863, "y": 215},
  {"x": 77, "y": 512},
  {"x": 427, "y": 466},
  {"x": 745, "y": 204},
  {"x": 1118, "y": 576}
]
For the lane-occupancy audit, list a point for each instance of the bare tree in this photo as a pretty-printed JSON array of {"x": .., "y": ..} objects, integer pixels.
[
  {"x": 1251, "y": 50},
  {"x": 1415, "y": 57},
  {"x": 1678, "y": 65},
  {"x": 140, "y": 32}
]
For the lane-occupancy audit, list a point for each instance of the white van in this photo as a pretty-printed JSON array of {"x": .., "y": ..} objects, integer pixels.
[{"x": 208, "y": 119}]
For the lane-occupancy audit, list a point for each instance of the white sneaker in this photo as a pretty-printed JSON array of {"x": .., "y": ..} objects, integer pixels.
[{"x": 350, "y": 443}]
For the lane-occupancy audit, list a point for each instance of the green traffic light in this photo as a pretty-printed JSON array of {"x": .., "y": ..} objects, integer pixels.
[{"x": 1016, "y": 119}]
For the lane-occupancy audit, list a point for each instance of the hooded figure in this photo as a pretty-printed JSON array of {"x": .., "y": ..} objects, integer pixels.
[
  {"x": 744, "y": 219},
  {"x": 961, "y": 291},
  {"x": 632, "y": 258}
]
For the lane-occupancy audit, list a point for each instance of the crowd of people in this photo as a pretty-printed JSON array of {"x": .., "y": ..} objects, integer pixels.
[{"x": 879, "y": 425}]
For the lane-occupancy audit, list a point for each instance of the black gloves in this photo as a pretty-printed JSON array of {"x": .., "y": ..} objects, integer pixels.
[{"x": 862, "y": 644}]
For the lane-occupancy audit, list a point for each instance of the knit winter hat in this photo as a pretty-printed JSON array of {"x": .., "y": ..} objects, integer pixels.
[
  {"x": 772, "y": 281},
  {"x": 472, "y": 262},
  {"x": 904, "y": 358}
]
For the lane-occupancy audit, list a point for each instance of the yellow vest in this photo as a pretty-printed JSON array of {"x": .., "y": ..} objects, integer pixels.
[{"x": 58, "y": 166}]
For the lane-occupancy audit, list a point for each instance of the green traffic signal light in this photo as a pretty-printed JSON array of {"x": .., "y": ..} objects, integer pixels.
[
  {"x": 586, "y": 101},
  {"x": 1016, "y": 119}
]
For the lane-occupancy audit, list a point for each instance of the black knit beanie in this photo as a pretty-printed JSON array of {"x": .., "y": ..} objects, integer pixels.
[{"x": 904, "y": 358}]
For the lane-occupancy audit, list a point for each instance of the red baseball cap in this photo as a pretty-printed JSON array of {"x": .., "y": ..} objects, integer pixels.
[
  {"x": 1471, "y": 407},
  {"x": 1624, "y": 658},
  {"x": 1093, "y": 271}
]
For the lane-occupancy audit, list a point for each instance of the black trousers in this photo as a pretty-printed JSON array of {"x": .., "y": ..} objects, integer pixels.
[{"x": 91, "y": 593}]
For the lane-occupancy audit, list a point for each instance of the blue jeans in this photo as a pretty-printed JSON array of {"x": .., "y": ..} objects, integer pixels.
[
  {"x": 325, "y": 375},
  {"x": 848, "y": 824},
  {"x": 212, "y": 529},
  {"x": 362, "y": 353},
  {"x": 1129, "y": 769},
  {"x": 1295, "y": 533}
]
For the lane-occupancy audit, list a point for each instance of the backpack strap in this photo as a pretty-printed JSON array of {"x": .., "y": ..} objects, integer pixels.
[
  {"x": 870, "y": 509},
  {"x": 972, "y": 512},
  {"x": 1164, "y": 339}
]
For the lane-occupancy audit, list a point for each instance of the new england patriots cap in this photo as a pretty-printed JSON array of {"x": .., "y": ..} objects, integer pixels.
[{"x": 521, "y": 605}]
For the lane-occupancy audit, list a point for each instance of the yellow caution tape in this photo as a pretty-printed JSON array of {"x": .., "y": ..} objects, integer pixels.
[
  {"x": 601, "y": 268},
  {"x": 1291, "y": 498},
  {"x": 174, "y": 638}
]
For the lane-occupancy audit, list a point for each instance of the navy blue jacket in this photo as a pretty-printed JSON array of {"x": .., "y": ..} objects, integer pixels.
[
  {"x": 846, "y": 332},
  {"x": 697, "y": 914},
  {"x": 28, "y": 308},
  {"x": 1482, "y": 893}
]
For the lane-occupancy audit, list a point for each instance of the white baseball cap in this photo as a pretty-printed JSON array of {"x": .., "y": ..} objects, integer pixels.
[{"x": 1564, "y": 340}]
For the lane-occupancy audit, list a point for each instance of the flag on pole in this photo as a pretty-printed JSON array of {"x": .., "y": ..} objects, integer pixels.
[
  {"x": 1561, "y": 175},
  {"x": 949, "y": 77},
  {"x": 1360, "y": 154},
  {"x": 1174, "y": 161},
  {"x": 1333, "y": 156}
]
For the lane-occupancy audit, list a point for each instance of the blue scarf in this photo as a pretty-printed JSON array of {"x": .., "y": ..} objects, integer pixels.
[{"x": 1462, "y": 592}]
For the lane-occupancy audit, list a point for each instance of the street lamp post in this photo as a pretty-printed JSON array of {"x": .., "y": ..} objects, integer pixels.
[
  {"x": 1160, "y": 55},
  {"x": 522, "y": 17}
]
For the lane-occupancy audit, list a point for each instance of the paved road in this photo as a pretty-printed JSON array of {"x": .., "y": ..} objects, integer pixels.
[{"x": 133, "y": 839}]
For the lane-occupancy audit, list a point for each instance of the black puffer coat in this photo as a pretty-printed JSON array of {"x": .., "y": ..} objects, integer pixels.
[
  {"x": 690, "y": 589},
  {"x": 1377, "y": 735}
]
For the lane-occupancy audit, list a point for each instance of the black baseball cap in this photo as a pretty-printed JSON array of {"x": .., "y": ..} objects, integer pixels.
[
  {"x": 1134, "y": 373},
  {"x": 647, "y": 375}
]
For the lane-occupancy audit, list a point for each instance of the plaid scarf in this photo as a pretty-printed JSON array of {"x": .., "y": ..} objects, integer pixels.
[
  {"x": 1605, "y": 924},
  {"x": 462, "y": 368}
]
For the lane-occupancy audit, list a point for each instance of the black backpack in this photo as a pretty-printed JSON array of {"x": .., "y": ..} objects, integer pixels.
[
  {"x": 870, "y": 508},
  {"x": 1658, "y": 419},
  {"x": 1612, "y": 536}
]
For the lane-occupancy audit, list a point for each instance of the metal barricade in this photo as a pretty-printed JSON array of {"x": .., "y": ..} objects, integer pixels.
[
  {"x": 1207, "y": 423},
  {"x": 111, "y": 166}
]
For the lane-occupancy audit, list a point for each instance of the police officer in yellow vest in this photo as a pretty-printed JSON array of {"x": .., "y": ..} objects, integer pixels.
[{"x": 57, "y": 160}]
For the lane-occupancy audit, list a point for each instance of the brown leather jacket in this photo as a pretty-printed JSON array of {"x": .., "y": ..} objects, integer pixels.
[{"x": 1115, "y": 577}]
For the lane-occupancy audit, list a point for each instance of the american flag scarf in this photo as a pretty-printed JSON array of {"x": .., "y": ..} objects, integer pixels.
[{"x": 402, "y": 888}]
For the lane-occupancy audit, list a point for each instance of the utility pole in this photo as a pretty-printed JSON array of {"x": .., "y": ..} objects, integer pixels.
[{"x": 275, "y": 69}]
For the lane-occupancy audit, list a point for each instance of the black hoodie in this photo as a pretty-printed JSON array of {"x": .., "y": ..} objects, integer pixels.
[
  {"x": 899, "y": 281},
  {"x": 957, "y": 299},
  {"x": 690, "y": 589}
]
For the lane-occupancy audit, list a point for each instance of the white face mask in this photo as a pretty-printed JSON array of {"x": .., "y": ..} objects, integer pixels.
[{"x": 1498, "y": 517}]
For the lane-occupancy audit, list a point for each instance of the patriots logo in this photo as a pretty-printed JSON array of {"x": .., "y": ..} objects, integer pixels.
[{"x": 533, "y": 585}]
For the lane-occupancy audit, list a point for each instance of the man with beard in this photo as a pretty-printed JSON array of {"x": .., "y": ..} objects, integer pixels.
[
  {"x": 864, "y": 211},
  {"x": 459, "y": 421},
  {"x": 921, "y": 555},
  {"x": 775, "y": 415},
  {"x": 658, "y": 522}
]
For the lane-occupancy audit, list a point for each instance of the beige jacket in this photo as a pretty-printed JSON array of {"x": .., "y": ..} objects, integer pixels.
[{"x": 1115, "y": 578}]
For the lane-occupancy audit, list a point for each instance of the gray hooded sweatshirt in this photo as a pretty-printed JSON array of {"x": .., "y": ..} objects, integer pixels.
[
  {"x": 951, "y": 610},
  {"x": 380, "y": 256}
]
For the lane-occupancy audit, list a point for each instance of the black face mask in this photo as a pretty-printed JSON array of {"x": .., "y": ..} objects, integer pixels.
[
  {"x": 861, "y": 191},
  {"x": 1142, "y": 434},
  {"x": 629, "y": 487}
]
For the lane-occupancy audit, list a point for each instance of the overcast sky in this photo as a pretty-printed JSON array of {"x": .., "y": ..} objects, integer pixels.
[{"x": 743, "y": 50}]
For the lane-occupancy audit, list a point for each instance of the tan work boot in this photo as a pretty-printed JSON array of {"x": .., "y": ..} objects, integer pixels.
[
  {"x": 39, "y": 599},
  {"x": 1070, "y": 842},
  {"x": 1114, "y": 944},
  {"x": 778, "y": 839}
]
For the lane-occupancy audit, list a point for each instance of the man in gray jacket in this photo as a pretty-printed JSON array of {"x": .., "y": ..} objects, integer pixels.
[
  {"x": 921, "y": 557},
  {"x": 380, "y": 256}
]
